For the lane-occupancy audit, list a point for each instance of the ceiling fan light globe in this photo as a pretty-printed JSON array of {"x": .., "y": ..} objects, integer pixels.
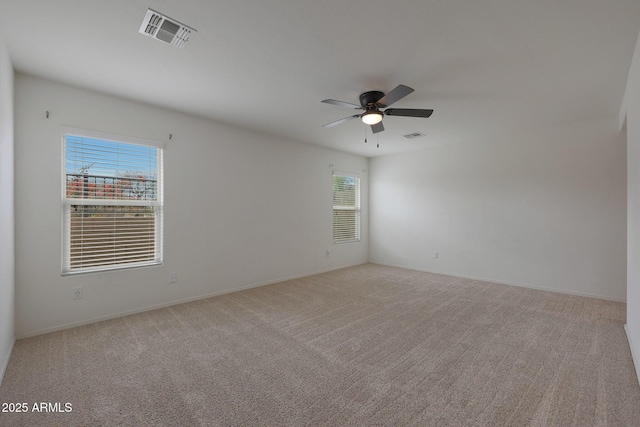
[{"x": 372, "y": 117}]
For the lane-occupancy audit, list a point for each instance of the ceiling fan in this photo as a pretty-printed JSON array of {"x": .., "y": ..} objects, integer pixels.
[{"x": 372, "y": 102}]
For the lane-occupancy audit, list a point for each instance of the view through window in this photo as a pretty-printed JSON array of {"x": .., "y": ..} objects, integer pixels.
[
  {"x": 112, "y": 202},
  {"x": 346, "y": 209}
]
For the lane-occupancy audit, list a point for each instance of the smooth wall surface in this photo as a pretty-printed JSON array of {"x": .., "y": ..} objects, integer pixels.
[
  {"x": 241, "y": 208},
  {"x": 7, "y": 300},
  {"x": 544, "y": 209},
  {"x": 632, "y": 98}
]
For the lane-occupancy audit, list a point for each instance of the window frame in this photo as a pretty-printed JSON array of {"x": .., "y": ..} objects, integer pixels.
[
  {"x": 66, "y": 202},
  {"x": 357, "y": 208}
]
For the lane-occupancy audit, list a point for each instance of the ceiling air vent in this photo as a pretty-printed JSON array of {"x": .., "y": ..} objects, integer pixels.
[
  {"x": 160, "y": 27},
  {"x": 414, "y": 135}
]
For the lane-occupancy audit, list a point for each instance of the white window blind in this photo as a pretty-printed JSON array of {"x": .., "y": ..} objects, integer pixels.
[
  {"x": 346, "y": 209},
  {"x": 112, "y": 204}
]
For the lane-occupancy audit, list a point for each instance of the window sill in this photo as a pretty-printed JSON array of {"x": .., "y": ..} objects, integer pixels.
[{"x": 110, "y": 268}]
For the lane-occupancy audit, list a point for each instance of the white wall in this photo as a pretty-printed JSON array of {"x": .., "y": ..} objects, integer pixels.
[
  {"x": 241, "y": 208},
  {"x": 7, "y": 300},
  {"x": 544, "y": 209},
  {"x": 632, "y": 107}
]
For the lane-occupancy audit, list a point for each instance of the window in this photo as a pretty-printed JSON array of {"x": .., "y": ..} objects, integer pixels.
[
  {"x": 112, "y": 204},
  {"x": 346, "y": 209}
]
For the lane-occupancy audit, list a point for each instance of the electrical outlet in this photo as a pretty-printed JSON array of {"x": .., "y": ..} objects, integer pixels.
[
  {"x": 77, "y": 292},
  {"x": 173, "y": 277},
  {"x": 435, "y": 254}
]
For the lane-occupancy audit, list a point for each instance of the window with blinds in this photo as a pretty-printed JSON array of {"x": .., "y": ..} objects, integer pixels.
[
  {"x": 112, "y": 204},
  {"x": 346, "y": 209}
]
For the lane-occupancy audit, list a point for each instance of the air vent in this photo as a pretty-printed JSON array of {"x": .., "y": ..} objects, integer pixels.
[
  {"x": 414, "y": 135},
  {"x": 160, "y": 27}
]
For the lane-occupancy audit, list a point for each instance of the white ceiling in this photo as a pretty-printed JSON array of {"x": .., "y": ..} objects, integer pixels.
[{"x": 485, "y": 67}]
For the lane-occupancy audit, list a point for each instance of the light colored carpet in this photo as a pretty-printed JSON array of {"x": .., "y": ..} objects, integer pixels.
[{"x": 363, "y": 346}]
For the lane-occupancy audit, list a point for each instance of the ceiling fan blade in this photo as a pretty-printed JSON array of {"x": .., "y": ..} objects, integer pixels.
[
  {"x": 337, "y": 122},
  {"x": 395, "y": 95},
  {"x": 342, "y": 104},
  {"x": 378, "y": 127},
  {"x": 407, "y": 112}
]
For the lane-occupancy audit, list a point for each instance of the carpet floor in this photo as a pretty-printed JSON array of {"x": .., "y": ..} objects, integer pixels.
[{"x": 362, "y": 346}]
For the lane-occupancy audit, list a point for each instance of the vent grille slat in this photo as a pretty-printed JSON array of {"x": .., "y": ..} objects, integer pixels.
[
  {"x": 153, "y": 24},
  {"x": 167, "y": 30},
  {"x": 414, "y": 135},
  {"x": 182, "y": 37}
]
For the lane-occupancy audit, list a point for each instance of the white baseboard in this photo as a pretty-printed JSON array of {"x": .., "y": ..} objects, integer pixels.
[
  {"x": 175, "y": 302},
  {"x": 634, "y": 356},
  {"x": 501, "y": 282},
  {"x": 5, "y": 362}
]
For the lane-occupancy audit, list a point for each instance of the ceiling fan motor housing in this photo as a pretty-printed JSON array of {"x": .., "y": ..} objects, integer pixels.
[{"x": 370, "y": 99}]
